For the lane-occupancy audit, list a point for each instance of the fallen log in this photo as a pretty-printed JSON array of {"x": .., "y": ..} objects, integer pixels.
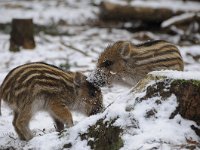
[{"x": 117, "y": 12}]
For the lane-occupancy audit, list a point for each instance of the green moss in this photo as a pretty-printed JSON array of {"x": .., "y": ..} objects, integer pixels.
[
  {"x": 160, "y": 88},
  {"x": 183, "y": 81},
  {"x": 103, "y": 136}
]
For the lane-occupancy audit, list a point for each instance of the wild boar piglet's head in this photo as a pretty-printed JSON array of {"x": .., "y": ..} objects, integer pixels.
[
  {"x": 88, "y": 95},
  {"x": 111, "y": 63}
]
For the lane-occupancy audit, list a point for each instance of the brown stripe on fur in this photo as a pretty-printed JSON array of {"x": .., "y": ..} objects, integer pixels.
[
  {"x": 162, "y": 62},
  {"x": 157, "y": 58},
  {"x": 157, "y": 52},
  {"x": 9, "y": 79},
  {"x": 159, "y": 46},
  {"x": 18, "y": 71},
  {"x": 48, "y": 80},
  {"x": 45, "y": 68},
  {"x": 26, "y": 77}
]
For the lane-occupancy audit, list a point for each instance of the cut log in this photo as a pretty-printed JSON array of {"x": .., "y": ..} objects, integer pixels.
[
  {"x": 112, "y": 11},
  {"x": 22, "y": 34}
]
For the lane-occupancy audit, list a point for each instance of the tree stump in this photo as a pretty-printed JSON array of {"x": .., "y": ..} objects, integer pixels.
[{"x": 22, "y": 34}]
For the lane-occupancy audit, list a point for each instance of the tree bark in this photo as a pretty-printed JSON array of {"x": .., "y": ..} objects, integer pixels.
[
  {"x": 188, "y": 96},
  {"x": 22, "y": 34}
]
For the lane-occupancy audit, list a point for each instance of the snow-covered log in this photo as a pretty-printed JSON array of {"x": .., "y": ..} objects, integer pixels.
[{"x": 161, "y": 111}]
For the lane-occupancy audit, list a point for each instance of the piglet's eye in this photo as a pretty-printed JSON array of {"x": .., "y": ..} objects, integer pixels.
[{"x": 107, "y": 63}]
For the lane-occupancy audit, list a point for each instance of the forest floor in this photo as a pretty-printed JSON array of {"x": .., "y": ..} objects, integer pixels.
[{"x": 73, "y": 44}]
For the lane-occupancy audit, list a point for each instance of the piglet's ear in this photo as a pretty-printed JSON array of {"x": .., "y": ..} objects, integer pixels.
[
  {"x": 79, "y": 79},
  {"x": 124, "y": 49}
]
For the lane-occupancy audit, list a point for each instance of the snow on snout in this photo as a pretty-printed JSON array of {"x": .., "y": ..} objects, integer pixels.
[{"x": 97, "y": 77}]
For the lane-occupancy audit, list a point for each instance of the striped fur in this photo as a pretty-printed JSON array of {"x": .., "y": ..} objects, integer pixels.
[
  {"x": 130, "y": 62},
  {"x": 38, "y": 86}
]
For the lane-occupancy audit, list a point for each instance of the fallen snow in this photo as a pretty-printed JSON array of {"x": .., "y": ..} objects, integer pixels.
[
  {"x": 186, "y": 75},
  {"x": 48, "y": 12},
  {"x": 175, "y": 19},
  {"x": 151, "y": 132},
  {"x": 175, "y": 5},
  {"x": 159, "y": 130}
]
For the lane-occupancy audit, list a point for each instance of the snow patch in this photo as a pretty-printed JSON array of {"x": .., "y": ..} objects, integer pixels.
[
  {"x": 189, "y": 75},
  {"x": 178, "y": 18}
]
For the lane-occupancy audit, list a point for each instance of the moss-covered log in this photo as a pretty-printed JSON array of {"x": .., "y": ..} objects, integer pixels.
[
  {"x": 187, "y": 93},
  {"x": 159, "y": 97}
]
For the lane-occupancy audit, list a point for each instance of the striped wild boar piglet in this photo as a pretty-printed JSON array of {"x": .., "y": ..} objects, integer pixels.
[
  {"x": 124, "y": 62},
  {"x": 32, "y": 87}
]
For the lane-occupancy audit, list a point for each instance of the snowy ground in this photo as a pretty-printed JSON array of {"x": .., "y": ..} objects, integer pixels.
[{"x": 51, "y": 50}]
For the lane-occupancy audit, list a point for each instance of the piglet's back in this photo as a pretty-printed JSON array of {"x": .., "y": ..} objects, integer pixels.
[{"x": 35, "y": 79}]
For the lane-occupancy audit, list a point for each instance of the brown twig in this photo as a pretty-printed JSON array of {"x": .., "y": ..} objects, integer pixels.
[{"x": 74, "y": 48}]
